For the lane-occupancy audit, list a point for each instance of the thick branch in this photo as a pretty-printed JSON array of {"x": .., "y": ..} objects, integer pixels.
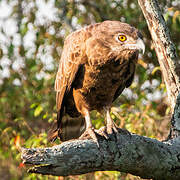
[
  {"x": 142, "y": 156},
  {"x": 164, "y": 47},
  {"x": 175, "y": 120},
  {"x": 166, "y": 54}
]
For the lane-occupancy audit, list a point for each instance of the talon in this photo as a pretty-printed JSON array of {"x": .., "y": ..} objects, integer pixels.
[
  {"x": 112, "y": 128},
  {"x": 91, "y": 133},
  {"x": 102, "y": 131},
  {"x": 89, "y": 128}
]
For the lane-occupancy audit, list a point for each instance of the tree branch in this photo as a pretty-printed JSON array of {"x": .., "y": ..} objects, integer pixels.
[
  {"x": 175, "y": 121},
  {"x": 165, "y": 49},
  {"x": 141, "y": 156},
  {"x": 166, "y": 54}
]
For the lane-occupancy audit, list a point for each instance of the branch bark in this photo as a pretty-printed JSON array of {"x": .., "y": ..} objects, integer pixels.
[
  {"x": 141, "y": 156},
  {"x": 125, "y": 152},
  {"x": 166, "y": 54},
  {"x": 165, "y": 49}
]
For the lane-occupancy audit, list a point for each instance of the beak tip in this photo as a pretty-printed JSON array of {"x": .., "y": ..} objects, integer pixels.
[{"x": 141, "y": 45}]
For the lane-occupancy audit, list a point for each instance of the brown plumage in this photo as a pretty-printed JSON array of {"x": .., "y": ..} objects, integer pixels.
[{"x": 97, "y": 63}]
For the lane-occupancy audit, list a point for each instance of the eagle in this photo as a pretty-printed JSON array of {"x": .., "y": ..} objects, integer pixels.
[{"x": 97, "y": 63}]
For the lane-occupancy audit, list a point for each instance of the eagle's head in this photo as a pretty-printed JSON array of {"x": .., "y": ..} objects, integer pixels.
[{"x": 119, "y": 37}]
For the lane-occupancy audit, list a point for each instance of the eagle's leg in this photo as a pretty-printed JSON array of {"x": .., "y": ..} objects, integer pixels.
[
  {"x": 110, "y": 125},
  {"x": 89, "y": 128}
]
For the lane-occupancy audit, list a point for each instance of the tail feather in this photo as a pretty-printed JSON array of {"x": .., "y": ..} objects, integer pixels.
[
  {"x": 70, "y": 128},
  {"x": 53, "y": 132},
  {"x": 52, "y": 135}
]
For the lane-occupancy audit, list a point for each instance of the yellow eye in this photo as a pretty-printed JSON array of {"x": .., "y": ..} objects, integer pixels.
[{"x": 122, "y": 38}]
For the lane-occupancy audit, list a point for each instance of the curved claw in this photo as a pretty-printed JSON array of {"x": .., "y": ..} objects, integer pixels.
[
  {"x": 112, "y": 128},
  {"x": 91, "y": 133},
  {"x": 102, "y": 131}
]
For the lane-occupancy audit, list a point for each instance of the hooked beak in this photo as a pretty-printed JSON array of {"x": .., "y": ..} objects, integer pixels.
[{"x": 139, "y": 45}]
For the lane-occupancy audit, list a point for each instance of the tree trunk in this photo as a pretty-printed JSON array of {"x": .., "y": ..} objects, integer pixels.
[
  {"x": 166, "y": 54},
  {"x": 164, "y": 48}
]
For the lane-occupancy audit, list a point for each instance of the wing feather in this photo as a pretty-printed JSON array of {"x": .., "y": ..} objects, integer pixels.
[{"x": 72, "y": 57}]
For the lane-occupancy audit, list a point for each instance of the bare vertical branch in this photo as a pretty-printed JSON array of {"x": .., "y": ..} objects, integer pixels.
[
  {"x": 167, "y": 57},
  {"x": 164, "y": 47}
]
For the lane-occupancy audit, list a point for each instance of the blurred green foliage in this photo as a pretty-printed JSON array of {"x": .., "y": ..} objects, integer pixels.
[{"x": 31, "y": 40}]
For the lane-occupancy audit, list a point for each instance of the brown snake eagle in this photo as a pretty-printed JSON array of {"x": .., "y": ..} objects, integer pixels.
[{"x": 97, "y": 63}]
